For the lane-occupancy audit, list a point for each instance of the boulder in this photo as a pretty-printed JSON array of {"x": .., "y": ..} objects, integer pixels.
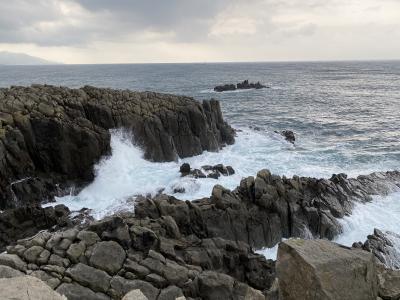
[
  {"x": 184, "y": 169},
  {"x": 108, "y": 256},
  {"x": 95, "y": 279},
  {"x": 26, "y": 288},
  {"x": 319, "y": 269}
]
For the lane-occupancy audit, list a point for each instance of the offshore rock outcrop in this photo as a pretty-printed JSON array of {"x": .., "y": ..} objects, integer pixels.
[
  {"x": 244, "y": 85},
  {"x": 50, "y": 137}
]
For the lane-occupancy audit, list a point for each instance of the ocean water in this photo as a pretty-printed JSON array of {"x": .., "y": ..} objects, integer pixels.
[{"x": 345, "y": 116}]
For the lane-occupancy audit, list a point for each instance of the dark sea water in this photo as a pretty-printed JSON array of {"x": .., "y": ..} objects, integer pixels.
[{"x": 346, "y": 116}]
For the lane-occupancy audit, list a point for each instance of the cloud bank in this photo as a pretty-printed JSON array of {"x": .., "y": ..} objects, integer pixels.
[{"x": 103, "y": 31}]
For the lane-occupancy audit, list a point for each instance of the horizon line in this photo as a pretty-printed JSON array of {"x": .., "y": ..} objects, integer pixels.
[{"x": 211, "y": 62}]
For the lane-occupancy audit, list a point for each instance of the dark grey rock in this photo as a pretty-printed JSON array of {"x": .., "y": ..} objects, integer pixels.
[
  {"x": 95, "y": 279},
  {"x": 122, "y": 286},
  {"x": 108, "y": 256},
  {"x": 170, "y": 293}
]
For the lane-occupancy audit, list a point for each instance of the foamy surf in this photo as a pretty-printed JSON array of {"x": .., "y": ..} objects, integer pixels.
[{"x": 125, "y": 174}]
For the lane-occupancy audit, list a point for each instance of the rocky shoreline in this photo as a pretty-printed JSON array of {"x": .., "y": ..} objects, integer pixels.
[{"x": 50, "y": 138}]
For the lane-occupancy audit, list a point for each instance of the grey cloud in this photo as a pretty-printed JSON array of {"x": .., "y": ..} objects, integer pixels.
[{"x": 188, "y": 20}]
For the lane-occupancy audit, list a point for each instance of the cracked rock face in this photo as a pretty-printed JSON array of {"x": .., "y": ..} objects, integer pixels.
[
  {"x": 51, "y": 136},
  {"x": 161, "y": 263}
]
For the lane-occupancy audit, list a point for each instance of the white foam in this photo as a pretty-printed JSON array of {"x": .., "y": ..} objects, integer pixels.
[
  {"x": 382, "y": 213},
  {"x": 126, "y": 174}
]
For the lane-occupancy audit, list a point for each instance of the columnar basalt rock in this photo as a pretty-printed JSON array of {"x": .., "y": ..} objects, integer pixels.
[
  {"x": 201, "y": 249},
  {"x": 153, "y": 259},
  {"x": 265, "y": 209},
  {"x": 50, "y": 137}
]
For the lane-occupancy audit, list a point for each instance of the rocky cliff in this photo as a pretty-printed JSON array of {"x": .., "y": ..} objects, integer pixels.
[
  {"x": 201, "y": 249},
  {"x": 51, "y": 137}
]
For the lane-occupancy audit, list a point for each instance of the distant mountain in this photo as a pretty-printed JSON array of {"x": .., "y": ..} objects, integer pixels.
[{"x": 11, "y": 58}]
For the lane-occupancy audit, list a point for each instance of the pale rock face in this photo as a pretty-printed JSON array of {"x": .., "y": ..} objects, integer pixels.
[
  {"x": 135, "y": 295},
  {"x": 319, "y": 269},
  {"x": 27, "y": 288}
]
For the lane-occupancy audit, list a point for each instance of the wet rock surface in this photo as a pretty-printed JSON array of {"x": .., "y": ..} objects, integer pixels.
[
  {"x": 50, "y": 137},
  {"x": 382, "y": 245},
  {"x": 288, "y": 135},
  {"x": 265, "y": 209},
  {"x": 244, "y": 85},
  {"x": 206, "y": 171}
]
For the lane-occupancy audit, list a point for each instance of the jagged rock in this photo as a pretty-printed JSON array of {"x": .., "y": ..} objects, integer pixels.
[
  {"x": 24, "y": 222},
  {"x": 382, "y": 246},
  {"x": 225, "y": 87},
  {"x": 173, "y": 242},
  {"x": 26, "y": 288},
  {"x": 288, "y": 135},
  {"x": 319, "y": 269},
  {"x": 211, "y": 172},
  {"x": 108, "y": 256},
  {"x": 41, "y": 135}
]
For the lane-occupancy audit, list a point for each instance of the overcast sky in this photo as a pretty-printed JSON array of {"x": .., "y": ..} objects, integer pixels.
[{"x": 130, "y": 31}]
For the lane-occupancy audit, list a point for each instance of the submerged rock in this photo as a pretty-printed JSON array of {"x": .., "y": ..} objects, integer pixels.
[
  {"x": 44, "y": 128},
  {"x": 288, "y": 135}
]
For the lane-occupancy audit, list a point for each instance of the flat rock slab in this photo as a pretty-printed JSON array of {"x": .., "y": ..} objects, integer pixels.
[
  {"x": 319, "y": 269},
  {"x": 27, "y": 288}
]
